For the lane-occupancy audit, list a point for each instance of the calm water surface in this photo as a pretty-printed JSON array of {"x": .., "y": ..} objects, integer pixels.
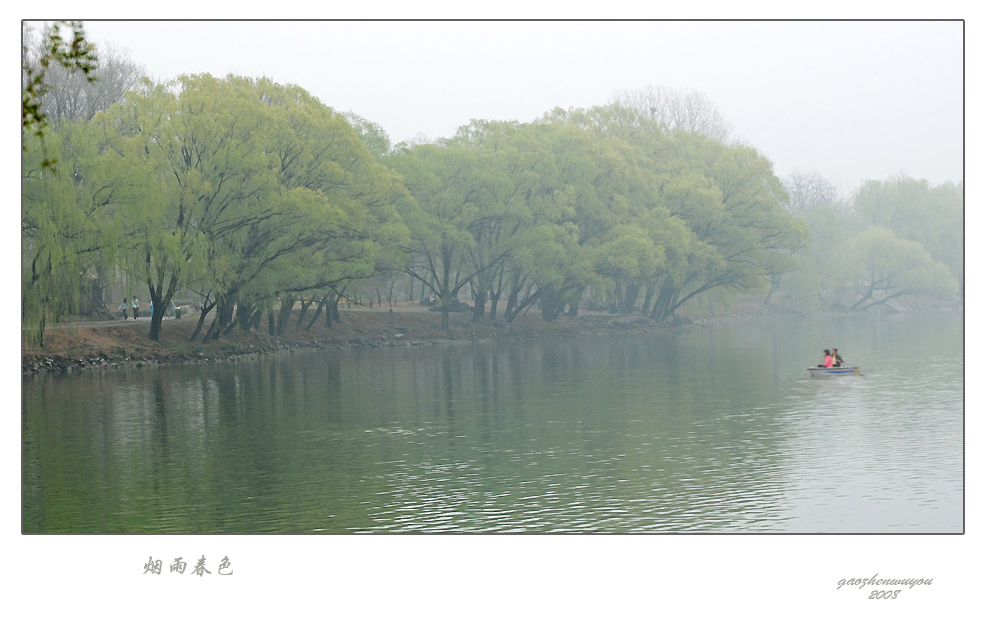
[{"x": 708, "y": 429}]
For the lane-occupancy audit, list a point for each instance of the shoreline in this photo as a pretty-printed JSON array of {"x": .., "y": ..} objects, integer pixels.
[
  {"x": 112, "y": 344},
  {"x": 73, "y": 348}
]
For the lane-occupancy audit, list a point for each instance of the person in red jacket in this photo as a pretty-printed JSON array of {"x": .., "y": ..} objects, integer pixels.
[{"x": 828, "y": 360}]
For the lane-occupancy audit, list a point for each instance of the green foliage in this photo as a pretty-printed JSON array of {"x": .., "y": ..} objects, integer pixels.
[
  {"x": 57, "y": 237},
  {"x": 601, "y": 197},
  {"x": 891, "y": 267},
  {"x": 252, "y": 192},
  {"x": 59, "y": 240},
  {"x": 239, "y": 188},
  {"x": 914, "y": 211},
  {"x": 918, "y": 228},
  {"x": 373, "y": 135}
]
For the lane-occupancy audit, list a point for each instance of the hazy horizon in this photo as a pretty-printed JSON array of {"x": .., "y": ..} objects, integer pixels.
[{"x": 848, "y": 100}]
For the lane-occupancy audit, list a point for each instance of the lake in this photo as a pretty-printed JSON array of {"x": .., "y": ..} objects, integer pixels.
[{"x": 704, "y": 429}]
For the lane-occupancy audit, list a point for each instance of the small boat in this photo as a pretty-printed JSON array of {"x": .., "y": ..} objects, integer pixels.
[{"x": 820, "y": 371}]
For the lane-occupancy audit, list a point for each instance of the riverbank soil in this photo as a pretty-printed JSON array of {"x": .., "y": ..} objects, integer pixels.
[{"x": 73, "y": 347}]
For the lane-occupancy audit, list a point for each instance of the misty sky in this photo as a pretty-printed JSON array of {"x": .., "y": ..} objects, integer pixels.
[{"x": 848, "y": 100}]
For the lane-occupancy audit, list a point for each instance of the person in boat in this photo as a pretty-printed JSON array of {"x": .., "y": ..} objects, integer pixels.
[
  {"x": 828, "y": 360},
  {"x": 835, "y": 358}
]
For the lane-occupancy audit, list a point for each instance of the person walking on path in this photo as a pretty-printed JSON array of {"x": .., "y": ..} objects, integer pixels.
[
  {"x": 126, "y": 304},
  {"x": 136, "y": 308}
]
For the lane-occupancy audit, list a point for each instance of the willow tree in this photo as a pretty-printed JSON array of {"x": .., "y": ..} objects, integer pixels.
[
  {"x": 890, "y": 267},
  {"x": 71, "y": 236},
  {"x": 732, "y": 203},
  {"x": 452, "y": 194},
  {"x": 914, "y": 210},
  {"x": 575, "y": 210},
  {"x": 520, "y": 200},
  {"x": 339, "y": 215},
  {"x": 57, "y": 238},
  {"x": 716, "y": 208},
  {"x": 579, "y": 192},
  {"x": 657, "y": 241},
  {"x": 203, "y": 177},
  {"x": 237, "y": 180},
  {"x": 55, "y": 233}
]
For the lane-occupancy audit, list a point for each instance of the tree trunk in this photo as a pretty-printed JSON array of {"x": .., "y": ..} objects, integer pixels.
[
  {"x": 206, "y": 308},
  {"x": 479, "y": 310},
  {"x": 513, "y": 307},
  {"x": 160, "y": 298},
  {"x": 305, "y": 304},
  {"x": 284, "y": 315},
  {"x": 645, "y": 308},
  {"x": 332, "y": 313},
  {"x": 155, "y": 321},
  {"x": 868, "y": 295},
  {"x": 225, "y": 310},
  {"x": 551, "y": 306},
  {"x": 211, "y": 329},
  {"x": 774, "y": 286},
  {"x": 631, "y": 292},
  {"x": 318, "y": 311},
  {"x": 665, "y": 304},
  {"x": 245, "y": 318},
  {"x": 511, "y": 300},
  {"x": 614, "y": 299}
]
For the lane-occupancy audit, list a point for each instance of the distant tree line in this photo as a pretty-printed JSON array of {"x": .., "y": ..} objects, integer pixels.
[
  {"x": 892, "y": 238},
  {"x": 256, "y": 196}
]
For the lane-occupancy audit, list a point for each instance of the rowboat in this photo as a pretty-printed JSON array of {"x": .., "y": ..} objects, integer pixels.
[{"x": 820, "y": 371}]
